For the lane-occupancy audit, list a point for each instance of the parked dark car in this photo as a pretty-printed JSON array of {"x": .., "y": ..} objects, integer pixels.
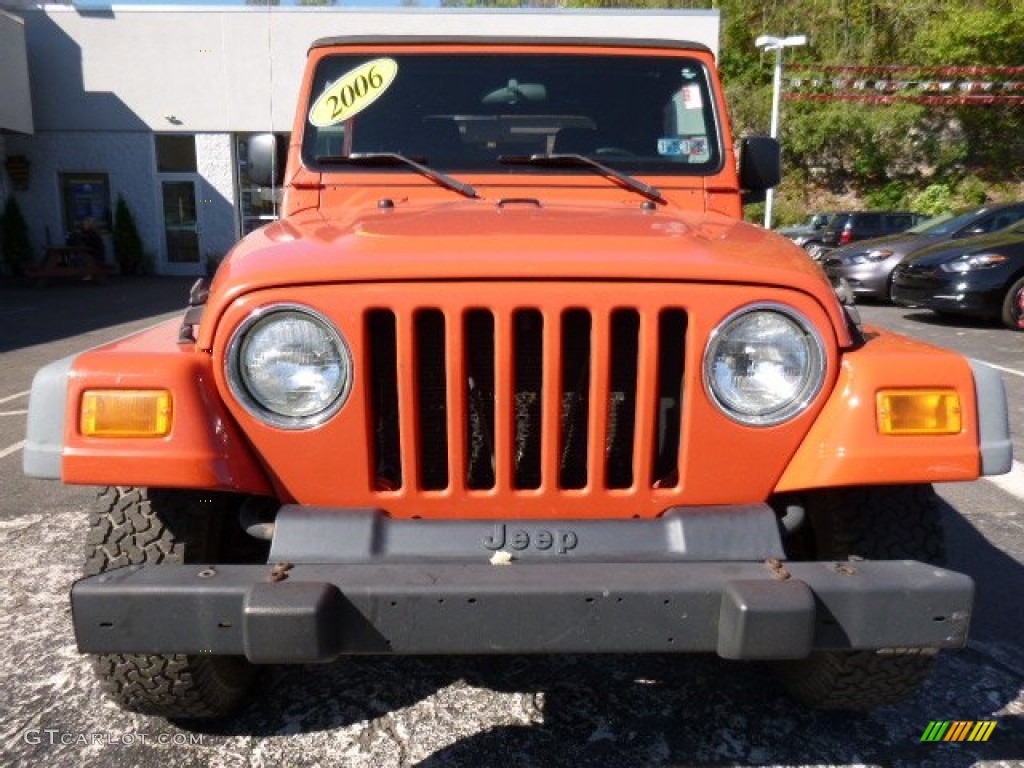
[
  {"x": 808, "y": 234},
  {"x": 850, "y": 226},
  {"x": 982, "y": 276},
  {"x": 867, "y": 266}
]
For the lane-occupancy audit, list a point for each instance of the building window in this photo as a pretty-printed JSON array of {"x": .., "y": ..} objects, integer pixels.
[
  {"x": 175, "y": 153},
  {"x": 257, "y": 205},
  {"x": 86, "y": 196}
]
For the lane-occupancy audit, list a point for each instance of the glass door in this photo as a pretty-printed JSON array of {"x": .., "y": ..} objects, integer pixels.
[{"x": 181, "y": 228}]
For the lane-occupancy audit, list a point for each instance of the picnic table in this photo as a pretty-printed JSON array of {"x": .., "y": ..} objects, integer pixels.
[{"x": 72, "y": 261}]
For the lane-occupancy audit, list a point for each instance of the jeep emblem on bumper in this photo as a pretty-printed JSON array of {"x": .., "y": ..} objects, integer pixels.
[{"x": 521, "y": 538}]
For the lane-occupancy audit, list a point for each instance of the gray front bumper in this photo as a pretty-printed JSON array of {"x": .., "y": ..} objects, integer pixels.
[{"x": 741, "y": 610}]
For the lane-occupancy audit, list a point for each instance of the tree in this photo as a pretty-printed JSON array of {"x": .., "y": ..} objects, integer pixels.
[
  {"x": 15, "y": 244},
  {"x": 855, "y": 148},
  {"x": 128, "y": 248}
]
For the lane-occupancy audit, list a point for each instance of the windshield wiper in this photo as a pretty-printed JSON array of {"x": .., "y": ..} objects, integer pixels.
[
  {"x": 629, "y": 182},
  {"x": 394, "y": 158}
]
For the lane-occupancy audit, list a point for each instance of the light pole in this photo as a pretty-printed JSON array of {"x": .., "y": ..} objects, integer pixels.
[{"x": 777, "y": 44}]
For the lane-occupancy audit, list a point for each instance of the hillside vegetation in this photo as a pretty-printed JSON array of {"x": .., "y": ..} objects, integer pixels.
[
  {"x": 902, "y": 155},
  {"x": 926, "y": 158}
]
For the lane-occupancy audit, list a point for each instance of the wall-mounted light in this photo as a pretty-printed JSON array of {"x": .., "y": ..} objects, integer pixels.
[{"x": 172, "y": 120}]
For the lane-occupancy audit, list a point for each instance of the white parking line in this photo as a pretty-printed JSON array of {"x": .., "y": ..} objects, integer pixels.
[
  {"x": 991, "y": 365},
  {"x": 12, "y": 449},
  {"x": 15, "y": 396},
  {"x": 13, "y": 413},
  {"x": 1012, "y": 483}
]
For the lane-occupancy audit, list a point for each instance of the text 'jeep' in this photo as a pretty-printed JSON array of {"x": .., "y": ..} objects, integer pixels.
[{"x": 511, "y": 375}]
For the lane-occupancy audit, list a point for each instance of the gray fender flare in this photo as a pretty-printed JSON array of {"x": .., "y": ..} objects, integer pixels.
[
  {"x": 47, "y": 405},
  {"x": 993, "y": 420}
]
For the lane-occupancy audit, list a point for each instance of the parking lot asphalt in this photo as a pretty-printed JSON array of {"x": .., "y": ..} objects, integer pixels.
[{"x": 656, "y": 710}]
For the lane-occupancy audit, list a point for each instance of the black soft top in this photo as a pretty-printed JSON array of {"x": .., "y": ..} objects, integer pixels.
[{"x": 582, "y": 42}]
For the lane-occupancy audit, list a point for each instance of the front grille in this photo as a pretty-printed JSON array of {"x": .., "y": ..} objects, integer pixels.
[{"x": 525, "y": 399}]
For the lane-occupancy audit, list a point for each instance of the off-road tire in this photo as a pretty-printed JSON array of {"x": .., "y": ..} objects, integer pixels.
[
  {"x": 138, "y": 525},
  {"x": 1013, "y": 312},
  {"x": 876, "y": 523}
]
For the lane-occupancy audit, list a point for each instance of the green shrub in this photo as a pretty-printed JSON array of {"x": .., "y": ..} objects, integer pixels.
[
  {"x": 787, "y": 212},
  {"x": 128, "y": 250},
  {"x": 933, "y": 200},
  {"x": 754, "y": 213},
  {"x": 15, "y": 244},
  {"x": 889, "y": 197},
  {"x": 972, "y": 191}
]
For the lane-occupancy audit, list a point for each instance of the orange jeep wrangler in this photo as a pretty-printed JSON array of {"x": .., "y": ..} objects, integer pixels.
[{"x": 511, "y": 375}]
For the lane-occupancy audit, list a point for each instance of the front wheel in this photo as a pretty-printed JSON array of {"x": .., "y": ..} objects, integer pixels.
[
  {"x": 144, "y": 526},
  {"x": 876, "y": 523},
  {"x": 1013, "y": 306},
  {"x": 890, "y": 285}
]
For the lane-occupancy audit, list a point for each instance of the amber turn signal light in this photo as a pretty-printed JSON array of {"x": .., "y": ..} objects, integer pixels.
[
  {"x": 918, "y": 412},
  {"x": 126, "y": 413}
]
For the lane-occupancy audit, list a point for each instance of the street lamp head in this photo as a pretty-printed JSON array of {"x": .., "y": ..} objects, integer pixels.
[{"x": 771, "y": 43}]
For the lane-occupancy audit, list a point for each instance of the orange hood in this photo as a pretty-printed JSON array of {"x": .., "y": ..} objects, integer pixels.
[{"x": 480, "y": 240}]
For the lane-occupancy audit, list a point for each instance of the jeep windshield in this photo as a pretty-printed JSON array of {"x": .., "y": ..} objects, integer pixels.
[{"x": 469, "y": 112}]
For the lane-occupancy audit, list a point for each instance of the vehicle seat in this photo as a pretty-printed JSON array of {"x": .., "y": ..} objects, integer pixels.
[
  {"x": 371, "y": 133},
  {"x": 438, "y": 141},
  {"x": 576, "y": 141}
]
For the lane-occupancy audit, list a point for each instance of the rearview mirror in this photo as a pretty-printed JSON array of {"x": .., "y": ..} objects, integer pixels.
[{"x": 517, "y": 93}]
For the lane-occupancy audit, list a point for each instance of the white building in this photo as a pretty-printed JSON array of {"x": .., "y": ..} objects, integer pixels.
[{"x": 156, "y": 104}]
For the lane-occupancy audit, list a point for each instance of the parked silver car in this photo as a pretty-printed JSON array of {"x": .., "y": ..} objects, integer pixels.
[
  {"x": 808, "y": 234},
  {"x": 867, "y": 266}
]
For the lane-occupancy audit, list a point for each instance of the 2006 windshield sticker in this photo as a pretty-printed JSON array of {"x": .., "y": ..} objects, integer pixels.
[{"x": 353, "y": 92}]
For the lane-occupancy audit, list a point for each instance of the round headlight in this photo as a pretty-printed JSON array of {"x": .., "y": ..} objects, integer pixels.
[
  {"x": 764, "y": 365},
  {"x": 288, "y": 366}
]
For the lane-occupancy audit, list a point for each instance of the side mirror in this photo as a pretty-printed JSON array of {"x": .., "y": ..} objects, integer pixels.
[
  {"x": 760, "y": 166},
  {"x": 265, "y": 168},
  {"x": 972, "y": 232}
]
